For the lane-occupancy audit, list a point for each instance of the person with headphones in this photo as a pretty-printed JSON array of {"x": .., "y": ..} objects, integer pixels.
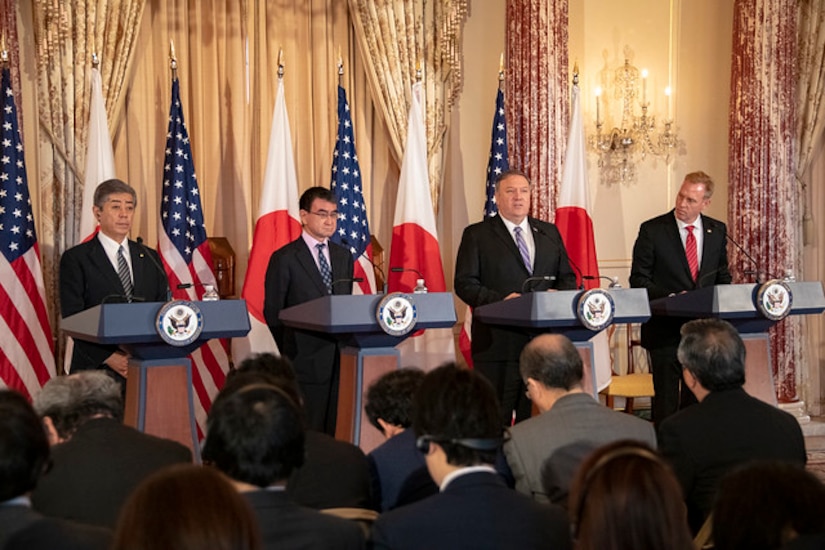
[{"x": 456, "y": 421}]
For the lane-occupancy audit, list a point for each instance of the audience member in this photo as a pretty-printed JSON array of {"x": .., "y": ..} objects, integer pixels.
[
  {"x": 24, "y": 457},
  {"x": 552, "y": 370},
  {"x": 766, "y": 505},
  {"x": 186, "y": 507},
  {"x": 457, "y": 421},
  {"x": 98, "y": 461},
  {"x": 389, "y": 407},
  {"x": 624, "y": 497},
  {"x": 335, "y": 474},
  {"x": 255, "y": 435},
  {"x": 727, "y": 427}
]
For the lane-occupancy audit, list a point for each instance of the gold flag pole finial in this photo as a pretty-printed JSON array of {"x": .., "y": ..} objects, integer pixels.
[
  {"x": 280, "y": 63},
  {"x": 4, "y": 54},
  {"x": 95, "y": 60},
  {"x": 418, "y": 72},
  {"x": 340, "y": 66},
  {"x": 576, "y": 73},
  {"x": 173, "y": 59},
  {"x": 501, "y": 70}
]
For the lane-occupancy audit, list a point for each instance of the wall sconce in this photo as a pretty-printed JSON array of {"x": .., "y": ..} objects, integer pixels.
[{"x": 621, "y": 148}]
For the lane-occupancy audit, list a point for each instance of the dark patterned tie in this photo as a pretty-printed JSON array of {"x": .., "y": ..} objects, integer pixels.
[
  {"x": 522, "y": 248},
  {"x": 123, "y": 273},
  {"x": 323, "y": 265},
  {"x": 691, "y": 253}
]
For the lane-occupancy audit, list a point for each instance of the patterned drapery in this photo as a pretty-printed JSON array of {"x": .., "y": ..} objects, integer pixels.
[
  {"x": 537, "y": 95},
  {"x": 396, "y": 38},
  {"x": 763, "y": 194}
]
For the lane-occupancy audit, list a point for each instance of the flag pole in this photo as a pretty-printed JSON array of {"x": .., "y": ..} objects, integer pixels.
[
  {"x": 173, "y": 60},
  {"x": 501, "y": 71},
  {"x": 281, "y": 64},
  {"x": 340, "y": 67},
  {"x": 4, "y": 54}
]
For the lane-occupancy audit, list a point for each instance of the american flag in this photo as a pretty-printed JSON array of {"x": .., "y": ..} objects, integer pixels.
[
  {"x": 27, "y": 353},
  {"x": 185, "y": 251},
  {"x": 353, "y": 227}
]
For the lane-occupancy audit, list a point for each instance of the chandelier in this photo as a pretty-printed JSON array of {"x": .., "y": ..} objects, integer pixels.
[{"x": 638, "y": 136}]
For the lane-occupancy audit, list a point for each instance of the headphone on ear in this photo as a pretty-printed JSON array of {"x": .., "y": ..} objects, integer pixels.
[
  {"x": 599, "y": 465},
  {"x": 475, "y": 443}
]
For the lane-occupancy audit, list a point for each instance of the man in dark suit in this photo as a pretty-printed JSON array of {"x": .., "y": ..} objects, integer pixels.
[
  {"x": 457, "y": 423},
  {"x": 728, "y": 427},
  {"x": 310, "y": 267},
  {"x": 674, "y": 253},
  {"x": 24, "y": 457},
  {"x": 109, "y": 268},
  {"x": 498, "y": 259},
  {"x": 255, "y": 435},
  {"x": 96, "y": 460}
]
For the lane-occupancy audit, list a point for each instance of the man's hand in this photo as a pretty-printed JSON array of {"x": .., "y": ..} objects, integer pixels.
[
  {"x": 118, "y": 362},
  {"x": 512, "y": 295}
]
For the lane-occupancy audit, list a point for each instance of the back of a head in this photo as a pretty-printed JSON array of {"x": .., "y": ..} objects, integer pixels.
[
  {"x": 24, "y": 449},
  {"x": 255, "y": 435},
  {"x": 390, "y": 398},
  {"x": 624, "y": 497},
  {"x": 552, "y": 360},
  {"x": 72, "y": 400},
  {"x": 713, "y": 351},
  {"x": 763, "y": 505},
  {"x": 454, "y": 403},
  {"x": 186, "y": 507},
  {"x": 264, "y": 368}
]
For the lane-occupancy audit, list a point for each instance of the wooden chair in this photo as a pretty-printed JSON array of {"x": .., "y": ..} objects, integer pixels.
[{"x": 633, "y": 384}]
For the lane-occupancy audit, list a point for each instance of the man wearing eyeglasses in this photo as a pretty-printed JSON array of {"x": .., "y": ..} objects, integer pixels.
[{"x": 310, "y": 267}]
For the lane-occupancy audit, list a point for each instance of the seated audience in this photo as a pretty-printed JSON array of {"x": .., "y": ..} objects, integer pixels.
[
  {"x": 255, "y": 436},
  {"x": 727, "y": 427},
  {"x": 186, "y": 507},
  {"x": 456, "y": 419},
  {"x": 335, "y": 474},
  {"x": 624, "y": 497},
  {"x": 97, "y": 461},
  {"x": 24, "y": 457},
  {"x": 766, "y": 505},
  {"x": 570, "y": 419},
  {"x": 388, "y": 406}
]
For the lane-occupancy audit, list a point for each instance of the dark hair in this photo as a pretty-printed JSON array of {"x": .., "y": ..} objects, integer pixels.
[
  {"x": 552, "y": 360},
  {"x": 390, "y": 398},
  {"x": 455, "y": 403},
  {"x": 268, "y": 369},
  {"x": 255, "y": 435},
  {"x": 72, "y": 400},
  {"x": 759, "y": 505},
  {"x": 510, "y": 173},
  {"x": 186, "y": 507},
  {"x": 309, "y": 196},
  {"x": 624, "y": 497},
  {"x": 713, "y": 352},
  {"x": 111, "y": 187},
  {"x": 24, "y": 449}
]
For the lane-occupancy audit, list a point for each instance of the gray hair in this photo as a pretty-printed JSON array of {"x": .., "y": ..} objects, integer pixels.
[
  {"x": 110, "y": 187},
  {"x": 72, "y": 400}
]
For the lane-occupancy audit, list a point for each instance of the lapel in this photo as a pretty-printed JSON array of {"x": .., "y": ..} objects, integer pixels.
[
  {"x": 100, "y": 261},
  {"x": 501, "y": 232},
  {"x": 543, "y": 242},
  {"x": 138, "y": 266},
  {"x": 714, "y": 239},
  {"x": 304, "y": 256}
]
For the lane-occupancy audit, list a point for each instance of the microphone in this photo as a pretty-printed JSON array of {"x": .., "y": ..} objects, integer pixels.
[
  {"x": 345, "y": 242},
  {"x": 760, "y": 274},
  {"x": 534, "y": 279},
  {"x": 159, "y": 267},
  {"x": 346, "y": 280},
  {"x": 402, "y": 269},
  {"x": 614, "y": 281}
]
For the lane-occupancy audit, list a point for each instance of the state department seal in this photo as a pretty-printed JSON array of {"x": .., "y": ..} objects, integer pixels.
[
  {"x": 179, "y": 323},
  {"x": 396, "y": 314},
  {"x": 774, "y": 299},
  {"x": 595, "y": 309}
]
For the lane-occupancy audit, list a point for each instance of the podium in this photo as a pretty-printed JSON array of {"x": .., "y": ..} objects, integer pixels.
[
  {"x": 367, "y": 352},
  {"x": 159, "y": 394},
  {"x": 541, "y": 312},
  {"x": 736, "y": 303}
]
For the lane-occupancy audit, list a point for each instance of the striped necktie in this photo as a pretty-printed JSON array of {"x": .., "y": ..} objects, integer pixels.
[
  {"x": 522, "y": 248},
  {"x": 323, "y": 266},
  {"x": 123, "y": 273},
  {"x": 691, "y": 252}
]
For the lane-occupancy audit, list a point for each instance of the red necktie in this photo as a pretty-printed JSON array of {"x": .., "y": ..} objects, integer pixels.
[{"x": 690, "y": 252}]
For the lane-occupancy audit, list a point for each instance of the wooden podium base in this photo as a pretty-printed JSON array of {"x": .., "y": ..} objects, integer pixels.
[
  {"x": 159, "y": 400},
  {"x": 758, "y": 372},
  {"x": 359, "y": 369}
]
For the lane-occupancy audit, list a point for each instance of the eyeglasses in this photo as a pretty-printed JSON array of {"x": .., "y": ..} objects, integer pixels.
[{"x": 324, "y": 215}]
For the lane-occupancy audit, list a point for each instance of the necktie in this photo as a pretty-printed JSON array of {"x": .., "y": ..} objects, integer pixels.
[
  {"x": 323, "y": 266},
  {"x": 123, "y": 273},
  {"x": 691, "y": 253},
  {"x": 522, "y": 248}
]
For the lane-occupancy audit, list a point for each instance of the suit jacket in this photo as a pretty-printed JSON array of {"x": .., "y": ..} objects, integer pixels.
[
  {"x": 293, "y": 278},
  {"x": 574, "y": 418},
  {"x": 87, "y": 278},
  {"x": 489, "y": 267},
  {"x": 95, "y": 471},
  {"x": 285, "y": 524},
  {"x": 21, "y": 528},
  {"x": 475, "y": 510},
  {"x": 335, "y": 474},
  {"x": 726, "y": 429},
  {"x": 660, "y": 266},
  {"x": 391, "y": 464}
]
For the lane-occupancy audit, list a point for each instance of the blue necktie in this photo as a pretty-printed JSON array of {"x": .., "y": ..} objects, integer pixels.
[
  {"x": 522, "y": 248},
  {"x": 323, "y": 266}
]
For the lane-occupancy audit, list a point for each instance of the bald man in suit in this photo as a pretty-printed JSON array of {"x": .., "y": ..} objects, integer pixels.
[{"x": 662, "y": 265}]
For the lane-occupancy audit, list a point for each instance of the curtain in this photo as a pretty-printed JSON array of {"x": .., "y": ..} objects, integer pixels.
[{"x": 763, "y": 206}]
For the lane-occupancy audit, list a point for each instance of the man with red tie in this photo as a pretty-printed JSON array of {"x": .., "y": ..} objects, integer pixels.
[{"x": 674, "y": 253}]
